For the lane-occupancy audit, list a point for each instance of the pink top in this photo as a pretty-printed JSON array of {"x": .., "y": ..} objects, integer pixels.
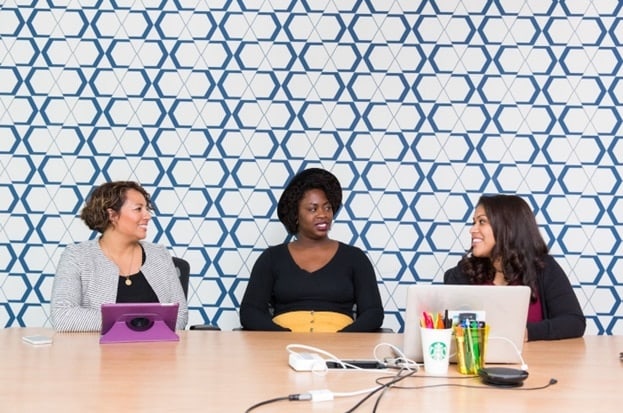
[{"x": 535, "y": 312}]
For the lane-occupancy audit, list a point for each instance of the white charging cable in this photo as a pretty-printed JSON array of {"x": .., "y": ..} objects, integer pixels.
[
  {"x": 524, "y": 366},
  {"x": 325, "y": 394},
  {"x": 399, "y": 359}
]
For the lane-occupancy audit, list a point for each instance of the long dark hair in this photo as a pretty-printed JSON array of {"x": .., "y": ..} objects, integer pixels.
[{"x": 518, "y": 244}]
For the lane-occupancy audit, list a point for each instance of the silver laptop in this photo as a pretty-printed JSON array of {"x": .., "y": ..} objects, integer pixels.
[{"x": 504, "y": 309}]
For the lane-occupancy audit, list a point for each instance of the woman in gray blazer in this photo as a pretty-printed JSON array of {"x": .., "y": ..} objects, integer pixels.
[{"x": 118, "y": 266}]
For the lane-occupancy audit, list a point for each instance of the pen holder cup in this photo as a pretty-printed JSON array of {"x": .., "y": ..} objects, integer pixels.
[
  {"x": 471, "y": 346},
  {"x": 436, "y": 349}
]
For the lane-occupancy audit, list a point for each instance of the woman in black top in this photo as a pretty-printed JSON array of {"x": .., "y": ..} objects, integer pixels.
[
  {"x": 312, "y": 283},
  {"x": 508, "y": 249}
]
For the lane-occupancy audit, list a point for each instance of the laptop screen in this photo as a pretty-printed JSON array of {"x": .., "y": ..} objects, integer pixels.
[{"x": 504, "y": 309}]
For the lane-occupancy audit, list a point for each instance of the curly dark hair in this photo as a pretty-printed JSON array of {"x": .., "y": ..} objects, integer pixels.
[
  {"x": 518, "y": 244},
  {"x": 110, "y": 195},
  {"x": 312, "y": 178}
]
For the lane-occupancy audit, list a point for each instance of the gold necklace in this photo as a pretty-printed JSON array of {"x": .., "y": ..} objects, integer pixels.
[{"x": 128, "y": 281}]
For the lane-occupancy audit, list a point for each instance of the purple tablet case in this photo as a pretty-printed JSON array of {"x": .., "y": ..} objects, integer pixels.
[{"x": 134, "y": 322}]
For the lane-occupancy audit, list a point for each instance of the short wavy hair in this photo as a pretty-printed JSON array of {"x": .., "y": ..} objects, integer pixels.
[
  {"x": 110, "y": 195},
  {"x": 312, "y": 178}
]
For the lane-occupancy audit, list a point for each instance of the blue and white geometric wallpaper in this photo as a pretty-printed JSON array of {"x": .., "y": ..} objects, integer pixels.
[{"x": 418, "y": 107}]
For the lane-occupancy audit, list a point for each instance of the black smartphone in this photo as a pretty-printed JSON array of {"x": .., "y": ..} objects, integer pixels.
[{"x": 362, "y": 364}]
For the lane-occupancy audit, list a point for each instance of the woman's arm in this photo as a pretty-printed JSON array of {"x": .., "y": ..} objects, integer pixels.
[
  {"x": 562, "y": 314},
  {"x": 67, "y": 311},
  {"x": 370, "y": 311},
  {"x": 178, "y": 297},
  {"x": 254, "y": 308},
  {"x": 174, "y": 291}
]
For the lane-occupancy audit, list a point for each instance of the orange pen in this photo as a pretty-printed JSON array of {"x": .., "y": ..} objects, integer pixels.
[{"x": 439, "y": 322}]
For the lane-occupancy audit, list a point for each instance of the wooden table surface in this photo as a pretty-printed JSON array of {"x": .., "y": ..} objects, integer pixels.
[{"x": 229, "y": 371}]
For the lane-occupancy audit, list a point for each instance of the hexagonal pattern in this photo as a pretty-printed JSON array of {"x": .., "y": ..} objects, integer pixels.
[{"x": 417, "y": 108}]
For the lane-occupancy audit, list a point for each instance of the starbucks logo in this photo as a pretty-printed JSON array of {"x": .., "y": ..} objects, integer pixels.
[{"x": 438, "y": 350}]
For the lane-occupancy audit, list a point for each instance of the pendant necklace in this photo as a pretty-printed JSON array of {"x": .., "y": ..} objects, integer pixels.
[{"x": 128, "y": 281}]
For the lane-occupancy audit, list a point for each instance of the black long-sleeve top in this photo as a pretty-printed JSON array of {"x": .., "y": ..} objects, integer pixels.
[
  {"x": 562, "y": 314},
  {"x": 278, "y": 283}
]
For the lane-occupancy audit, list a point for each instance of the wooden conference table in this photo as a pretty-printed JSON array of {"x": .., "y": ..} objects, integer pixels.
[{"x": 229, "y": 371}]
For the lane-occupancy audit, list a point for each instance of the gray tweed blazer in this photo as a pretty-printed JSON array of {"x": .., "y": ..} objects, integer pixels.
[{"x": 85, "y": 279}]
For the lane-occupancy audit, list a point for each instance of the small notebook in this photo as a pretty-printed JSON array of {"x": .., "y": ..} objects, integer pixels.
[{"x": 505, "y": 309}]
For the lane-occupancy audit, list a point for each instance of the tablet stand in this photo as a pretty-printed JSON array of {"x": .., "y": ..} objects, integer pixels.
[{"x": 123, "y": 332}]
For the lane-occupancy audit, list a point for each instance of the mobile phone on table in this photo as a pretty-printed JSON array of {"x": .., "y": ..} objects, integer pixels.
[
  {"x": 351, "y": 364},
  {"x": 37, "y": 340}
]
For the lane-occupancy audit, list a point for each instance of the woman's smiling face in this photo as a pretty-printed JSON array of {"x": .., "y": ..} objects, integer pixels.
[{"x": 481, "y": 232}]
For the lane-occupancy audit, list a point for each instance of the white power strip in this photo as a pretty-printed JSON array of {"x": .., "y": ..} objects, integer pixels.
[{"x": 306, "y": 362}]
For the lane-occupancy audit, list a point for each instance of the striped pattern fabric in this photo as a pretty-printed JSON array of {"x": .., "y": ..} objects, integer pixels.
[{"x": 86, "y": 279}]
